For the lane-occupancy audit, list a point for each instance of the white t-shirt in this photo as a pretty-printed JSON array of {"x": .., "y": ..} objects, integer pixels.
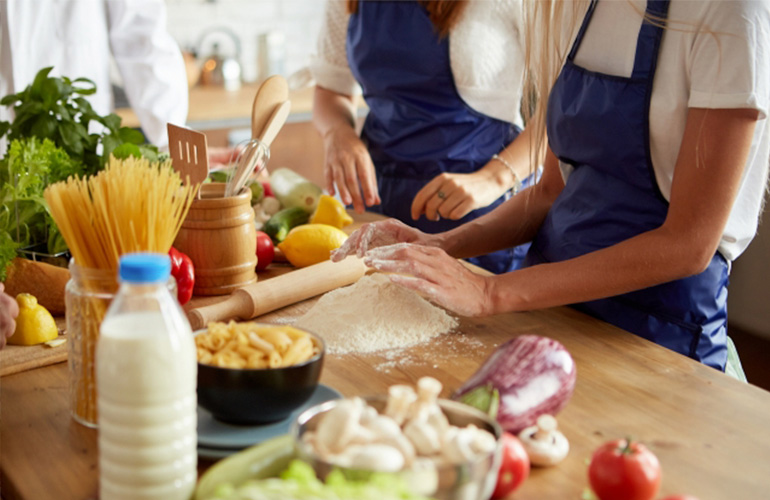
[
  {"x": 485, "y": 51},
  {"x": 727, "y": 70}
]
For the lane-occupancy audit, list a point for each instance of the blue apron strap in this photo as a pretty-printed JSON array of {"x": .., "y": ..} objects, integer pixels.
[
  {"x": 650, "y": 35},
  {"x": 583, "y": 27}
]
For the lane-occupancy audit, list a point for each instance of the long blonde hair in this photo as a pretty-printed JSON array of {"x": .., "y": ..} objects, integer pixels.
[
  {"x": 546, "y": 49},
  {"x": 443, "y": 13}
]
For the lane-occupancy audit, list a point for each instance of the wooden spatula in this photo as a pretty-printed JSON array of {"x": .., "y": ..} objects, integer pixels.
[{"x": 189, "y": 154}]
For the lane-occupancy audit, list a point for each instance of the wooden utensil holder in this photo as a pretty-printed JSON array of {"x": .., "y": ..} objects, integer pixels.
[{"x": 219, "y": 236}]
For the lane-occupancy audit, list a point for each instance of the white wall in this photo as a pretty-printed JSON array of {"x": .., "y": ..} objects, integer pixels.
[
  {"x": 298, "y": 20},
  {"x": 749, "y": 290}
]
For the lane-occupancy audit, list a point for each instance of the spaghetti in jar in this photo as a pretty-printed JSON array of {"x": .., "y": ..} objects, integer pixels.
[{"x": 88, "y": 294}]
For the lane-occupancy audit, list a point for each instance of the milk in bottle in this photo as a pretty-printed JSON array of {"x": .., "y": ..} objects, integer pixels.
[{"x": 146, "y": 372}]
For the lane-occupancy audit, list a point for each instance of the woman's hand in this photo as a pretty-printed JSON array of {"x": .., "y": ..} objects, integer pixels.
[
  {"x": 435, "y": 275},
  {"x": 9, "y": 310},
  {"x": 349, "y": 166},
  {"x": 377, "y": 234},
  {"x": 453, "y": 196}
]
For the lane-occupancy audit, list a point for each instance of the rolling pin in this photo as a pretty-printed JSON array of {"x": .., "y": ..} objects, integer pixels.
[{"x": 265, "y": 296}]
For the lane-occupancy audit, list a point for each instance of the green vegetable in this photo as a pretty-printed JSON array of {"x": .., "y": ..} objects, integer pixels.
[
  {"x": 279, "y": 225},
  {"x": 293, "y": 190},
  {"x": 257, "y": 192},
  {"x": 300, "y": 482},
  {"x": 25, "y": 171},
  {"x": 220, "y": 175},
  {"x": 56, "y": 109}
]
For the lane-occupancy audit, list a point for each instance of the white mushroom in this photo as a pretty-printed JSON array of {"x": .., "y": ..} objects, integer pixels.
[
  {"x": 400, "y": 399},
  {"x": 545, "y": 445},
  {"x": 385, "y": 430},
  {"x": 423, "y": 436},
  {"x": 270, "y": 205},
  {"x": 458, "y": 449},
  {"x": 339, "y": 426},
  {"x": 379, "y": 457},
  {"x": 428, "y": 389}
]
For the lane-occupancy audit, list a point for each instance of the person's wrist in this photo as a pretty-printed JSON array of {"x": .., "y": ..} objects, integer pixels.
[{"x": 515, "y": 185}]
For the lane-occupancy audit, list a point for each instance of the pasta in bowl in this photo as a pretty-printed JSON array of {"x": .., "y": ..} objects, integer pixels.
[{"x": 256, "y": 373}]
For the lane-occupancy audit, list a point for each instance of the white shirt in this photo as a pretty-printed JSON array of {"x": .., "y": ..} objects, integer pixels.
[
  {"x": 76, "y": 37},
  {"x": 485, "y": 50},
  {"x": 727, "y": 70}
]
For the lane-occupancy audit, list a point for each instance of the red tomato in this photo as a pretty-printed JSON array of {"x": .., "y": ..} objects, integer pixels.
[
  {"x": 514, "y": 468},
  {"x": 267, "y": 190},
  {"x": 680, "y": 497},
  {"x": 265, "y": 250},
  {"x": 624, "y": 470}
]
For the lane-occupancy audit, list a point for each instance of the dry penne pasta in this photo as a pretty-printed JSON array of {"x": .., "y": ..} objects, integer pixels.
[{"x": 257, "y": 346}]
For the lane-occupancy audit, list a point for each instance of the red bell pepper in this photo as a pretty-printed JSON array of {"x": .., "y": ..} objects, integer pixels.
[{"x": 183, "y": 271}]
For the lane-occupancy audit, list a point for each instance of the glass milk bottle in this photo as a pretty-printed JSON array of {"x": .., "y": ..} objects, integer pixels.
[{"x": 146, "y": 371}]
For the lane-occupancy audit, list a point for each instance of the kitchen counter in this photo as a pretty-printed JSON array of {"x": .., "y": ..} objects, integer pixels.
[
  {"x": 708, "y": 430},
  {"x": 213, "y": 107}
]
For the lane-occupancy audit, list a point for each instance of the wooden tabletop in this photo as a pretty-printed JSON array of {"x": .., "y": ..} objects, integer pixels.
[{"x": 708, "y": 430}]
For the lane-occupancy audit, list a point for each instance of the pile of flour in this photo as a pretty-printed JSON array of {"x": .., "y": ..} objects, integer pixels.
[{"x": 374, "y": 314}]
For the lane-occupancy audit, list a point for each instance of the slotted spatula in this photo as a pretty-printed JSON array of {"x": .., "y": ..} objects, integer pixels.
[{"x": 189, "y": 154}]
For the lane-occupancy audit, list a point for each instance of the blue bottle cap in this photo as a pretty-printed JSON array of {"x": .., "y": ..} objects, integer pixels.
[{"x": 145, "y": 267}]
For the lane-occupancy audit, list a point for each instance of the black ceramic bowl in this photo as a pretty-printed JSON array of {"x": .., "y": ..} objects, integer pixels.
[{"x": 251, "y": 396}]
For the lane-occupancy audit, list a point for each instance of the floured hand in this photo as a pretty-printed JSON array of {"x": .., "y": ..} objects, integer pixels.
[
  {"x": 435, "y": 275},
  {"x": 378, "y": 234}
]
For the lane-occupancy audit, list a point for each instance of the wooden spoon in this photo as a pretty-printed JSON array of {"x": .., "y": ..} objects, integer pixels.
[
  {"x": 271, "y": 93},
  {"x": 251, "y": 155}
]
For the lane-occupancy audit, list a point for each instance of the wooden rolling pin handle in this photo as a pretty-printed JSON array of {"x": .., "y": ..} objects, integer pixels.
[
  {"x": 264, "y": 296},
  {"x": 237, "y": 306}
]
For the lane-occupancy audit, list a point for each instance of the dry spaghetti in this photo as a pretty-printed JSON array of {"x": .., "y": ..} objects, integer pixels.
[{"x": 133, "y": 205}]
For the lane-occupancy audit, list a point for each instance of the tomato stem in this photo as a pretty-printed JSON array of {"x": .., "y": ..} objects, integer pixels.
[{"x": 627, "y": 448}]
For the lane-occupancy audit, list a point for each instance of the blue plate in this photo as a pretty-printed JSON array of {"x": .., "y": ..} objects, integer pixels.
[{"x": 218, "y": 439}]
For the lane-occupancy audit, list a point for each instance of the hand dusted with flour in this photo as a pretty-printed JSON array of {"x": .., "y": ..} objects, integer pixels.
[{"x": 373, "y": 315}]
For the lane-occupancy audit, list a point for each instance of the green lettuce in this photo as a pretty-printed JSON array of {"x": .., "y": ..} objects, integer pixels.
[
  {"x": 299, "y": 482},
  {"x": 28, "y": 167}
]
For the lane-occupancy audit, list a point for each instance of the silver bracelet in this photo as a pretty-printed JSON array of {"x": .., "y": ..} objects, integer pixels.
[{"x": 516, "y": 181}]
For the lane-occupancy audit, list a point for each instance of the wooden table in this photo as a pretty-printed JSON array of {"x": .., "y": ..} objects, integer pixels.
[{"x": 708, "y": 430}]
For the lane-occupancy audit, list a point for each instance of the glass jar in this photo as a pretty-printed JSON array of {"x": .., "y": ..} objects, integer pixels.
[{"x": 87, "y": 296}]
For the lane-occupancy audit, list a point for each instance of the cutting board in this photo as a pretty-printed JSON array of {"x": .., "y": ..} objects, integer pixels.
[{"x": 19, "y": 358}]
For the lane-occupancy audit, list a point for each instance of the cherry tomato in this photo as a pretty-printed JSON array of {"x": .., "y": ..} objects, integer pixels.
[
  {"x": 267, "y": 189},
  {"x": 624, "y": 470},
  {"x": 514, "y": 468},
  {"x": 265, "y": 250}
]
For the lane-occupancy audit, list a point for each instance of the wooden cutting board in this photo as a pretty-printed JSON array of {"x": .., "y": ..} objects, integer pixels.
[{"x": 19, "y": 358}]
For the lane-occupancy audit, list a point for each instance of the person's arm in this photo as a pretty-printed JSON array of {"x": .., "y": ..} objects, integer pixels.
[
  {"x": 9, "y": 310},
  {"x": 463, "y": 193},
  {"x": 151, "y": 65},
  {"x": 714, "y": 151},
  {"x": 347, "y": 163}
]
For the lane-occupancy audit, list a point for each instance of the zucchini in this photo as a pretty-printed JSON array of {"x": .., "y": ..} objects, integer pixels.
[
  {"x": 293, "y": 190},
  {"x": 279, "y": 225}
]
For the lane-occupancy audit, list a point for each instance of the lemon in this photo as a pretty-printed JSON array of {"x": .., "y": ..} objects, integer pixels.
[
  {"x": 310, "y": 244},
  {"x": 332, "y": 212},
  {"x": 34, "y": 325}
]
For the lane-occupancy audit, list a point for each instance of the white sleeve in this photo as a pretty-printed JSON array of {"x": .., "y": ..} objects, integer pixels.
[
  {"x": 151, "y": 65},
  {"x": 730, "y": 63},
  {"x": 330, "y": 63}
]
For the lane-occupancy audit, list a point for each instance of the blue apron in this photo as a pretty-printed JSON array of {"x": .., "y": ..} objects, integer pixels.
[
  {"x": 418, "y": 126},
  {"x": 598, "y": 124}
]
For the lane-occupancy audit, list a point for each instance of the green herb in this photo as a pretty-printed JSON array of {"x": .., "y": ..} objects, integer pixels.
[
  {"x": 56, "y": 109},
  {"x": 25, "y": 171}
]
